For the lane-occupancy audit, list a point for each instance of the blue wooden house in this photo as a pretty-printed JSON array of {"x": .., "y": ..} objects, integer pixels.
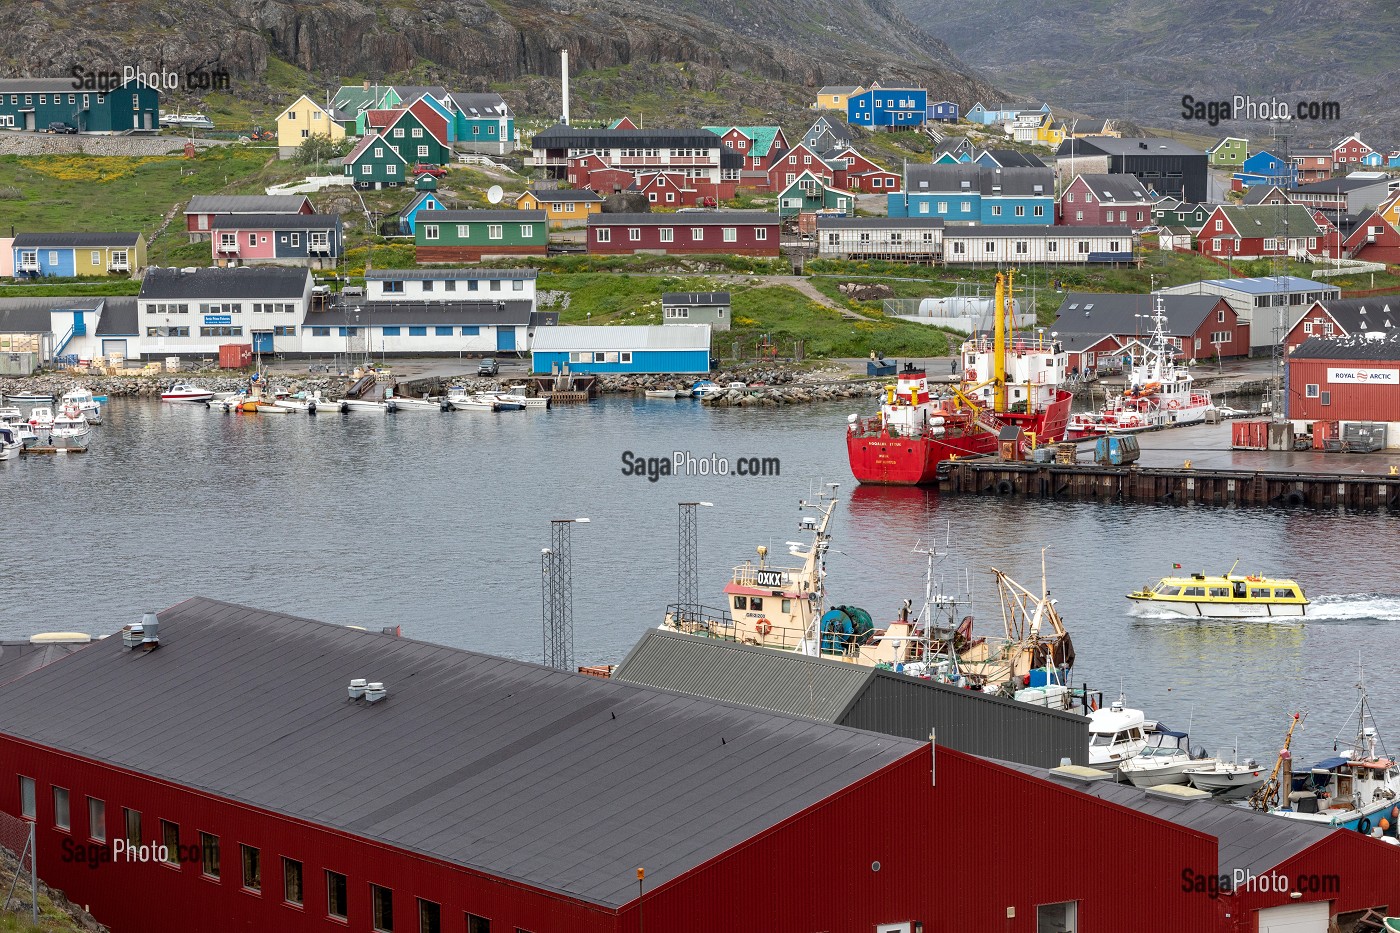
[
  {"x": 1393, "y": 160},
  {"x": 888, "y": 107},
  {"x": 942, "y": 111},
  {"x": 1373, "y": 159},
  {"x": 977, "y": 194},
  {"x": 669, "y": 348},
  {"x": 482, "y": 122},
  {"x": 997, "y": 114},
  {"x": 424, "y": 201},
  {"x": 1265, "y": 168}
]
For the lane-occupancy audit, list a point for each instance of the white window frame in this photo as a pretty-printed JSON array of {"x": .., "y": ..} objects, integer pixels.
[{"x": 604, "y": 235}]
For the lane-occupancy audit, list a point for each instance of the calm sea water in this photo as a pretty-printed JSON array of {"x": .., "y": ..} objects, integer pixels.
[{"x": 435, "y": 522}]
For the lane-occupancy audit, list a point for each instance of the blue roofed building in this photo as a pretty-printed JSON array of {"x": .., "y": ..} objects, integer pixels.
[{"x": 977, "y": 194}]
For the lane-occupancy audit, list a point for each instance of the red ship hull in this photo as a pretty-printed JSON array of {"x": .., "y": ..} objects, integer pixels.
[{"x": 891, "y": 460}]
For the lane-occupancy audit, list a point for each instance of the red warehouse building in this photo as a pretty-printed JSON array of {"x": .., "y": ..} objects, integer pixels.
[
  {"x": 1345, "y": 317},
  {"x": 1105, "y": 200},
  {"x": 462, "y": 792},
  {"x": 738, "y": 233},
  {"x": 1198, "y": 325},
  {"x": 1347, "y": 379}
]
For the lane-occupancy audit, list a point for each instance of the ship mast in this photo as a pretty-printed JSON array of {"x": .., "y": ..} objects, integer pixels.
[
  {"x": 999, "y": 343},
  {"x": 814, "y": 565}
]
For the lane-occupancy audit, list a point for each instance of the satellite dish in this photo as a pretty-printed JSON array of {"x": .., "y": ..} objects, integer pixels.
[{"x": 494, "y": 194}]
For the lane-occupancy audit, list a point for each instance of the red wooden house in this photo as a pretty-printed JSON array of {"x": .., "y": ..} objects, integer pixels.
[
  {"x": 673, "y": 189},
  {"x": 1329, "y": 242},
  {"x": 1373, "y": 240},
  {"x": 1312, "y": 164},
  {"x": 1348, "y": 153},
  {"x": 791, "y": 164},
  {"x": 854, "y": 172},
  {"x": 1105, "y": 200},
  {"x": 1345, "y": 317},
  {"x": 737, "y": 233},
  {"x": 377, "y": 121},
  {"x": 594, "y": 173},
  {"x": 1252, "y": 232},
  {"x": 623, "y": 123}
]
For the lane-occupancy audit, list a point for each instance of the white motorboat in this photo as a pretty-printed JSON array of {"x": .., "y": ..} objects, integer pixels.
[
  {"x": 1227, "y": 779},
  {"x": 503, "y": 401},
  {"x": 82, "y": 398},
  {"x": 69, "y": 429},
  {"x": 11, "y": 415},
  {"x": 519, "y": 394},
  {"x": 9, "y": 442},
  {"x": 473, "y": 403},
  {"x": 359, "y": 404},
  {"x": 1116, "y": 734},
  {"x": 1163, "y": 760},
  {"x": 35, "y": 396},
  {"x": 24, "y": 432},
  {"x": 705, "y": 388},
  {"x": 301, "y": 402},
  {"x": 41, "y": 418},
  {"x": 418, "y": 404},
  {"x": 662, "y": 393},
  {"x": 186, "y": 392}
]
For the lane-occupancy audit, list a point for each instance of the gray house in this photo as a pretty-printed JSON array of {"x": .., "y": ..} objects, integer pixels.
[{"x": 696, "y": 308}]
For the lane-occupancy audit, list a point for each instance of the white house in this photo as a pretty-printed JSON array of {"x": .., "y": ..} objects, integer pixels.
[{"x": 192, "y": 312}]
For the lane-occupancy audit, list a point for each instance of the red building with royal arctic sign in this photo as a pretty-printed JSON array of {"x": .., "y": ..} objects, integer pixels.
[
  {"x": 735, "y": 233},
  {"x": 1347, "y": 379}
]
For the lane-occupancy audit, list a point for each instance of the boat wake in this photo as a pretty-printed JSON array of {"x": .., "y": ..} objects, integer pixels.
[{"x": 1341, "y": 607}]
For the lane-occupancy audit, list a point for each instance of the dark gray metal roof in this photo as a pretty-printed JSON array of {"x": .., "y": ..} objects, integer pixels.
[
  {"x": 1014, "y": 158},
  {"x": 1116, "y": 189},
  {"x": 438, "y": 275},
  {"x": 79, "y": 240},
  {"x": 695, "y": 298},
  {"x": 1128, "y": 146},
  {"x": 250, "y": 282},
  {"x": 1374, "y": 312},
  {"x": 1258, "y": 193},
  {"x": 1338, "y": 185},
  {"x": 688, "y": 219},
  {"x": 987, "y": 180},
  {"x": 19, "y": 658},
  {"x": 878, "y": 223},
  {"x": 552, "y": 779},
  {"x": 1108, "y": 313},
  {"x": 1032, "y": 231},
  {"x": 1355, "y": 347},
  {"x": 781, "y": 681},
  {"x": 480, "y": 105},
  {"x": 483, "y": 216},
  {"x": 1248, "y": 840},
  {"x": 39, "y": 85},
  {"x": 118, "y": 317},
  {"x": 276, "y": 221},
  {"x": 32, "y": 315},
  {"x": 503, "y": 313},
  {"x": 246, "y": 204},
  {"x": 567, "y": 137}
]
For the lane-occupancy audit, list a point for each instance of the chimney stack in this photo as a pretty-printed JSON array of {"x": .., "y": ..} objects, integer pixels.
[{"x": 564, "y": 72}]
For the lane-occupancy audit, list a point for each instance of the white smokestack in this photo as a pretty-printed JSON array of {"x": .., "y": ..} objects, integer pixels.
[{"x": 564, "y": 71}]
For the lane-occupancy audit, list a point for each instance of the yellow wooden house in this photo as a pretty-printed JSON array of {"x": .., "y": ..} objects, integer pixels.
[
  {"x": 303, "y": 119},
  {"x": 1390, "y": 210},
  {"x": 1050, "y": 132},
  {"x": 562, "y": 206},
  {"x": 835, "y": 96}
]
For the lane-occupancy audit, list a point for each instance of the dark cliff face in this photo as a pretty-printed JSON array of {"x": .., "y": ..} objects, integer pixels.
[{"x": 474, "y": 42}]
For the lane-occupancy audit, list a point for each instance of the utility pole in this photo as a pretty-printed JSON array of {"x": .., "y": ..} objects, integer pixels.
[{"x": 688, "y": 560}]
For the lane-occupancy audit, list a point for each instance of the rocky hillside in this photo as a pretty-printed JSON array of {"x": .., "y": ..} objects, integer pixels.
[
  {"x": 471, "y": 44},
  {"x": 1136, "y": 58}
]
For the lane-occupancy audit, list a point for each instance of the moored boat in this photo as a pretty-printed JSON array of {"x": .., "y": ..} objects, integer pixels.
[
  {"x": 30, "y": 396},
  {"x": 69, "y": 429},
  {"x": 1229, "y": 596},
  {"x": 9, "y": 442},
  {"x": 519, "y": 393},
  {"x": 418, "y": 404},
  {"x": 1116, "y": 734},
  {"x": 1163, "y": 760},
  {"x": 186, "y": 392},
  {"x": 1007, "y": 382},
  {"x": 41, "y": 417},
  {"x": 662, "y": 393},
  {"x": 83, "y": 399},
  {"x": 705, "y": 388},
  {"x": 1227, "y": 779}
]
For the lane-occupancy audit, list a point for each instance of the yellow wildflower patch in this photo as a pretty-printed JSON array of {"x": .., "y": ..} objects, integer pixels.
[{"x": 86, "y": 168}]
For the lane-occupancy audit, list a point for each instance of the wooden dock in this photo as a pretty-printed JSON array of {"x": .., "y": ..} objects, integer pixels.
[
  {"x": 53, "y": 450},
  {"x": 1182, "y": 485}
]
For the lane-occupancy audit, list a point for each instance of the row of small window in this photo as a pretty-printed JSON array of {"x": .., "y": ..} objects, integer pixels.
[
  {"x": 30, "y": 257},
  {"x": 493, "y": 231},
  {"x": 398, "y": 132},
  {"x": 685, "y": 312},
  {"x": 282, "y": 330},
  {"x": 314, "y": 240},
  {"x": 1223, "y": 592},
  {"x": 1108, "y": 216},
  {"x": 228, "y": 307},
  {"x": 397, "y": 331},
  {"x": 755, "y": 603},
  {"x": 396, "y": 286},
  {"x": 927, "y": 237},
  {"x": 170, "y": 850},
  {"x": 668, "y": 234},
  {"x": 965, "y": 207},
  {"x": 609, "y": 356},
  {"x": 1269, "y": 244},
  {"x": 1325, "y": 327},
  {"x": 72, "y": 99},
  {"x": 1081, "y": 247}
]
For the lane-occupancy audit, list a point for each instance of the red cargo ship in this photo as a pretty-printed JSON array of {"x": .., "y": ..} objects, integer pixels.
[{"x": 1007, "y": 381}]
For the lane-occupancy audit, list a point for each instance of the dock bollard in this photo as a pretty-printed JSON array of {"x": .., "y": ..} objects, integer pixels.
[{"x": 1186, "y": 465}]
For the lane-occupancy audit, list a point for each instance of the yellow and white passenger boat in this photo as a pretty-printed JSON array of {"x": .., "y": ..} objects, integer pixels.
[{"x": 1232, "y": 596}]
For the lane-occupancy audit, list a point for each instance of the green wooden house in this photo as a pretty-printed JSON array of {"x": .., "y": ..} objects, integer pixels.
[
  {"x": 808, "y": 193},
  {"x": 373, "y": 163},
  {"x": 482, "y": 122},
  {"x": 469, "y": 236},
  {"x": 1229, "y": 152},
  {"x": 411, "y": 137},
  {"x": 34, "y": 103},
  {"x": 1173, "y": 212}
]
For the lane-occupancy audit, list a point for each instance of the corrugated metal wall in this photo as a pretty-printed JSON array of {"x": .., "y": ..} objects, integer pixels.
[
  {"x": 1349, "y": 401},
  {"x": 976, "y": 723}
]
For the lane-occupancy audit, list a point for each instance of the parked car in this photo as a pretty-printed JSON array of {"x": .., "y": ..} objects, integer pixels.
[
  {"x": 60, "y": 127},
  {"x": 488, "y": 367},
  {"x": 423, "y": 168}
]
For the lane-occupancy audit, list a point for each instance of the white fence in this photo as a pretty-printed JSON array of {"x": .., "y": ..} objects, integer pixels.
[{"x": 1336, "y": 267}]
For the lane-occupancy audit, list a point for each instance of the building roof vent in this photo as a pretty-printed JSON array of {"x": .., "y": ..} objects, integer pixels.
[
  {"x": 1178, "y": 792},
  {"x": 374, "y": 692},
  {"x": 357, "y": 688},
  {"x": 1081, "y": 773},
  {"x": 144, "y": 634}
]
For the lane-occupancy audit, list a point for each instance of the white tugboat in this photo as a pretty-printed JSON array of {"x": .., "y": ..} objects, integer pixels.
[{"x": 1159, "y": 392}]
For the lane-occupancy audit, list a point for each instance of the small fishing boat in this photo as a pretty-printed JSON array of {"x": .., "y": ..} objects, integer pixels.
[
  {"x": 301, "y": 402},
  {"x": 472, "y": 403},
  {"x": 1227, "y": 779},
  {"x": 273, "y": 408},
  {"x": 186, "y": 392},
  {"x": 359, "y": 404},
  {"x": 1116, "y": 734},
  {"x": 41, "y": 418},
  {"x": 9, "y": 442},
  {"x": 503, "y": 402},
  {"x": 1225, "y": 597},
  {"x": 11, "y": 415},
  {"x": 69, "y": 429},
  {"x": 85, "y": 402},
  {"x": 24, "y": 432},
  {"x": 662, "y": 393},
  {"x": 34, "y": 396},
  {"x": 705, "y": 388},
  {"x": 1163, "y": 760},
  {"x": 418, "y": 404},
  {"x": 519, "y": 393}
]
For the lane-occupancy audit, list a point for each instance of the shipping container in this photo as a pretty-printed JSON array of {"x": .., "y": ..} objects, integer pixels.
[
  {"x": 235, "y": 355},
  {"x": 1250, "y": 435},
  {"x": 1322, "y": 432}
]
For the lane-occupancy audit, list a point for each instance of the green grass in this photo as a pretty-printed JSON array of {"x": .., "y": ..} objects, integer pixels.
[
  {"x": 616, "y": 298},
  {"x": 75, "y": 288}
]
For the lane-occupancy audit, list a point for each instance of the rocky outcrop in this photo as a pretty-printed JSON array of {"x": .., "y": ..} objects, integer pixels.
[{"x": 470, "y": 43}]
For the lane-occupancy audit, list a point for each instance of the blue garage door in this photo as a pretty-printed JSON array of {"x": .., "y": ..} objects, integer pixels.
[
  {"x": 505, "y": 338},
  {"x": 262, "y": 341}
]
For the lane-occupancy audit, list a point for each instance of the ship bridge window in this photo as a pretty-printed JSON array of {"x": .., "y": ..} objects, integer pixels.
[
  {"x": 1135, "y": 733},
  {"x": 1221, "y": 592},
  {"x": 1194, "y": 591},
  {"x": 1283, "y": 594},
  {"x": 755, "y": 603},
  {"x": 1258, "y": 594},
  {"x": 741, "y": 602},
  {"x": 787, "y": 605},
  {"x": 1170, "y": 590},
  {"x": 1100, "y": 739}
]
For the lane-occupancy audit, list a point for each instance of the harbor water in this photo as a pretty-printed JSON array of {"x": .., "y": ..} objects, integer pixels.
[{"x": 435, "y": 522}]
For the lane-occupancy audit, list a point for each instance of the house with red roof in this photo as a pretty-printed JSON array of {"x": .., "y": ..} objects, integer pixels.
[{"x": 1375, "y": 239}]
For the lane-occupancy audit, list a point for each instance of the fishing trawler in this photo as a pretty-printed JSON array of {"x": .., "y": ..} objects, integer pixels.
[
  {"x": 1007, "y": 382},
  {"x": 1225, "y": 597},
  {"x": 1158, "y": 391},
  {"x": 1357, "y": 789},
  {"x": 785, "y": 608}
]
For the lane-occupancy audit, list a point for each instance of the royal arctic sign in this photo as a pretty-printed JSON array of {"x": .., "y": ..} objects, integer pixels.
[{"x": 1387, "y": 377}]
